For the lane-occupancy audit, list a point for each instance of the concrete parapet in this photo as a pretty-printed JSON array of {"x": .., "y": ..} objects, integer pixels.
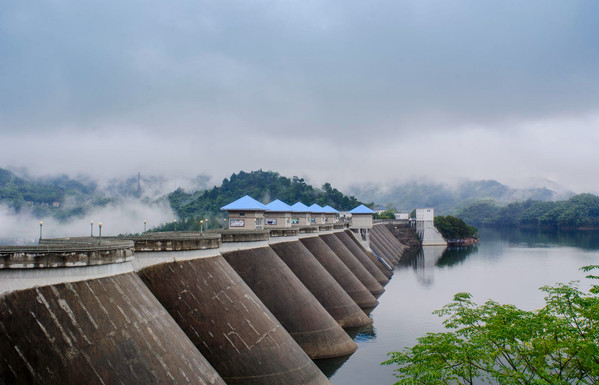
[
  {"x": 338, "y": 270},
  {"x": 232, "y": 328},
  {"x": 101, "y": 331},
  {"x": 325, "y": 227},
  {"x": 321, "y": 284},
  {"x": 65, "y": 254},
  {"x": 228, "y": 236},
  {"x": 176, "y": 241},
  {"x": 353, "y": 264},
  {"x": 362, "y": 258},
  {"x": 287, "y": 298},
  {"x": 308, "y": 229},
  {"x": 284, "y": 232}
]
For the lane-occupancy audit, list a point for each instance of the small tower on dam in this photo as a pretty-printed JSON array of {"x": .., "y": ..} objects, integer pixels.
[
  {"x": 425, "y": 227},
  {"x": 361, "y": 221},
  {"x": 317, "y": 216},
  {"x": 245, "y": 213},
  {"x": 278, "y": 215},
  {"x": 301, "y": 214},
  {"x": 331, "y": 215}
]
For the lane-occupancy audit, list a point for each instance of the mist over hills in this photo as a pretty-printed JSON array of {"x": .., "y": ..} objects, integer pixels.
[
  {"x": 446, "y": 199},
  {"x": 68, "y": 204}
]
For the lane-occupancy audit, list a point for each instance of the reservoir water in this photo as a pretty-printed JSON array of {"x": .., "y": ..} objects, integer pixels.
[{"x": 507, "y": 266}]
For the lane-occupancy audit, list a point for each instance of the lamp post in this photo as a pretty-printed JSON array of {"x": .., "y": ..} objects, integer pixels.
[
  {"x": 201, "y": 226},
  {"x": 41, "y": 225},
  {"x": 100, "y": 233},
  {"x": 145, "y": 225},
  {"x": 91, "y": 232},
  {"x": 205, "y": 224},
  {"x": 175, "y": 222}
]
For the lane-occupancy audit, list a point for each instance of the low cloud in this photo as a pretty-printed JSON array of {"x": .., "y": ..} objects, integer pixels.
[{"x": 124, "y": 217}]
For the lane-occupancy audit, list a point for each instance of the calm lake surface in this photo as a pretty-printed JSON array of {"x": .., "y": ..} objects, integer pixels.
[{"x": 507, "y": 266}]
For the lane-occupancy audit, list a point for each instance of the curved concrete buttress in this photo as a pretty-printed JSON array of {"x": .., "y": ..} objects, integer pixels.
[
  {"x": 389, "y": 261},
  {"x": 342, "y": 274},
  {"x": 109, "y": 330},
  {"x": 363, "y": 258},
  {"x": 378, "y": 252},
  {"x": 227, "y": 322},
  {"x": 319, "y": 335},
  {"x": 375, "y": 239},
  {"x": 382, "y": 244},
  {"x": 353, "y": 264},
  {"x": 386, "y": 272},
  {"x": 394, "y": 241},
  {"x": 321, "y": 284}
]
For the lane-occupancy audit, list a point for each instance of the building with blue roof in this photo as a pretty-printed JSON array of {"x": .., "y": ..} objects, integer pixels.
[
  {"x": 300, "y": 214},
  {"x": 277, "y": 215},
  {"x": 330, "y": 214},
  {"x": 361, "y": 217},
  {"x": 317, "y": 215},
  {"x": 245, "y": 213}
]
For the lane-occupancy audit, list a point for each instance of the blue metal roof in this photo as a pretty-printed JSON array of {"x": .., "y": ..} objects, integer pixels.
[
  {"x": 245, "y": 203},
  {"x": 361, "y": 210},
  {"x": 329, "y": 210},
  {"x": 316, "y": 208},
  {"x": 299, "y": 207},
  {"x": 278, "y": 206}
]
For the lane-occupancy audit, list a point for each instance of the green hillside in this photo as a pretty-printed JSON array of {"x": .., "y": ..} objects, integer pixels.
[
  {"x": 577, "y": 212},
  {"x": 264, "y": 186}
]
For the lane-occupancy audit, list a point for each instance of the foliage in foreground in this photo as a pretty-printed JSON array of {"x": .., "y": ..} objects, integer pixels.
[{"x": 495, "y": 343}]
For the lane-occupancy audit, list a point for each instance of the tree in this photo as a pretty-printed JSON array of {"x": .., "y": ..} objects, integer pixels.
[{"x": 495, "y": 343}]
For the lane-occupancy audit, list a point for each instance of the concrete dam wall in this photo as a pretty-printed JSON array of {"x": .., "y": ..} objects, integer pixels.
[
  {"x": 95, "y": 331},
  {"x": 230, "y": 326},
  {"x": 241, "y": 308}
]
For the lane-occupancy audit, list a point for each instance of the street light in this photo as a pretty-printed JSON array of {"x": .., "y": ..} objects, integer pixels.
[
  {"x": 91, "y": 225},
  {"x": 201, "y": 225},
  {"x": 100, "y": 233},
  {"x": 41, "y": 225},
  {"x": 145, "y": 225},
  {"x": 206, "y": 223},
  {"x": 175, "y": 222}
]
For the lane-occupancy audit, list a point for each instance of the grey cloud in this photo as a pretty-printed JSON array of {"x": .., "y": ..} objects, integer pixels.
[{"x": 155, "y": 85}]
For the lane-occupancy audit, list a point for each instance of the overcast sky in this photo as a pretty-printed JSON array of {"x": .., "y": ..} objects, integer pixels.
[{"x": 341, "y": 91}]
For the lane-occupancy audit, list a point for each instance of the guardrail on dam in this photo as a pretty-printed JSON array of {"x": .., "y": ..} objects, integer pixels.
[{"x": 213, "y": 308}]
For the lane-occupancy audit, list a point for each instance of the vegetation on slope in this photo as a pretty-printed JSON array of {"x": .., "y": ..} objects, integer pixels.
[
  {"x": 264, "y": 186},
  {"x": 451, "y": 227},
  {"x": 447, "y": 199},
  {"x": 579, "y": 211}
]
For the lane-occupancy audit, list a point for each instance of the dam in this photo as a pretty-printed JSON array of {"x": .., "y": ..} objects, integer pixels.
[{"x": 224, "y": 307}]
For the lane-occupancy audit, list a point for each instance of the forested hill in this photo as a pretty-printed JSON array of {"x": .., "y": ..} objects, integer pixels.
[
  {"x": 577, "y": 212},
  {"x": 44, "y": 198},
  {"x": 264, "y": 186}
]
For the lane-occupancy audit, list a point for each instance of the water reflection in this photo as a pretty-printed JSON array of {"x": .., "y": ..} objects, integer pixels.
[
  {"x": 329, "y": 366},
  {"x": 360, "y": 335},
  {"x": 456, "y": 255},
  {"x": 586, "y": 240},
  {"x": 367, "y": 334},
  {"x": 424, "y": 262}
]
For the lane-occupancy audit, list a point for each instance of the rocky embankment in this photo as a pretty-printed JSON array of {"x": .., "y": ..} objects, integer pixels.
[{"x": 405, "y": 234}]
